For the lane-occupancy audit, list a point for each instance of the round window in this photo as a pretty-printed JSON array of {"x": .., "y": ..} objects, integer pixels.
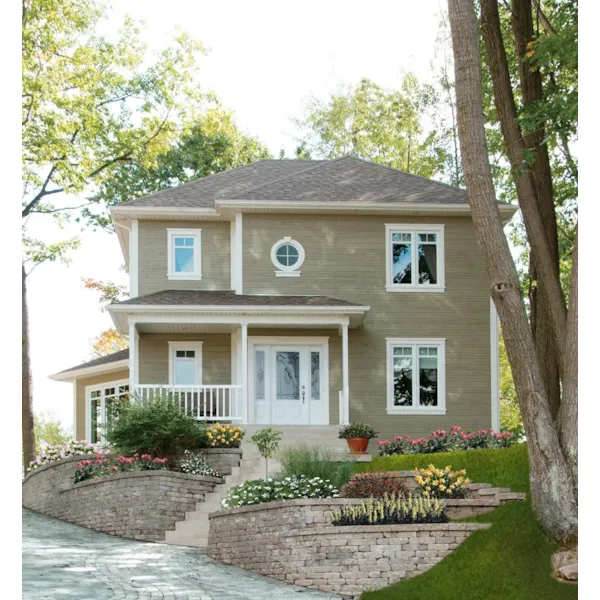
[{"x": 287, "y": 255}]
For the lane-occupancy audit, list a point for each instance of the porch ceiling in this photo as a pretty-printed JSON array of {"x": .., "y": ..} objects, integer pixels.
[{"x": 219, "y": 327}]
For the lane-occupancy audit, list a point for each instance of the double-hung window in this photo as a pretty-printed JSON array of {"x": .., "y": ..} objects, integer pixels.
[
  {"x": 414, "y": 258},
  {"x": 184, "y": 253},
  {"x": 416, "y": 376}
]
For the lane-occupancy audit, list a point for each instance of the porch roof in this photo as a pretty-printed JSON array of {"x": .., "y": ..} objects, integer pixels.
[
  {"x": 225, "y": 306},
  {"x": 104, "y": 364}
]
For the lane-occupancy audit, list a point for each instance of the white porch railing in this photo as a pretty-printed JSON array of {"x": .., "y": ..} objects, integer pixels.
[{"x": 204, "y": 402}]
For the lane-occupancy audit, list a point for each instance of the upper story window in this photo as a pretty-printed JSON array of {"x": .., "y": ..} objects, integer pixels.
[
  {"x": 184, "y": 253},
  {"x": 288, "y": 256},
  {"x": 416, "y": 376},
  {"x": 414, "y": 258}
]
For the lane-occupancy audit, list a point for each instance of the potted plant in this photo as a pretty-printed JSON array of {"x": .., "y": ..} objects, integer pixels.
[{"x": 357, "y": 435}]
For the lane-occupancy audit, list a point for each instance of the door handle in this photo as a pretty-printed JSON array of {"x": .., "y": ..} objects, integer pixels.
[{"x": 303, "y": 394}]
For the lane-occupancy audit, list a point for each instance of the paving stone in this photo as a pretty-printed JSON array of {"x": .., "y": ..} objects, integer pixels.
[{"x": 61, "y": 560}]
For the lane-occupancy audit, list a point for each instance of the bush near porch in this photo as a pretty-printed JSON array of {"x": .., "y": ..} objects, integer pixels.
[{"x": 511, "y": 560}]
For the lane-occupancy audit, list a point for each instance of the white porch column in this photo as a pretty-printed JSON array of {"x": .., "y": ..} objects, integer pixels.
[
  {"x": 345, "y": 376},
  {"x": 244, "y": 371},
  {"x": 133, "y": 356}
]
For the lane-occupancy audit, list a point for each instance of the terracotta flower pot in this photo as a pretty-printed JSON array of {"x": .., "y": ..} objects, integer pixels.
[{"x": 358, "y": 445}]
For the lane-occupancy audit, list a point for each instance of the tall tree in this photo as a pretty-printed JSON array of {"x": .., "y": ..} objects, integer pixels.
[
  {"x": 384, "y": 126},
  {"x": 90, "y": 103},
  {"x": 553, "y": 482}
]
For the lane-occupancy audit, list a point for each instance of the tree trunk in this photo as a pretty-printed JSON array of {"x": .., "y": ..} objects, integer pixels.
[
  {"x": 531, "y": 94},
  {"x": 526, "y": 191},
  {"x": 28, "y": 433},
  {"x": 567, "y": 417},
  {"x": 552, "y": 488}
]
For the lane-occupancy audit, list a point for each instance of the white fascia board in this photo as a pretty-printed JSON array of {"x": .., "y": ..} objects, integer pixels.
[
  {"x": 73, "y": 374},
  {"x": 382, "y": 207},
  {"x": 148, "y": 212},
  {"x": 239, "y": 309}
]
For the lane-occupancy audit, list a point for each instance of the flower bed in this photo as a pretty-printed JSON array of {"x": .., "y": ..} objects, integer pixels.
[
  {"x": 374, "y": 485},
  {"x": 258, "y": 491},
  {"x": 441, "y": 483},
  {"x": 102, "y": 466},
  {"x": 446, "y": 441},
  {"x": 51, "y": 454},
  {"x": 224, "y": 436},
  {"x": 391, "y": 510}
]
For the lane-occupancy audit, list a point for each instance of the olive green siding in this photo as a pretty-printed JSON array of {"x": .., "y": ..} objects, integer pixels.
[
  {"x": 153, "y": 256},
  {"x": 154, "y": 357},
  {"x": 345, "y": 259},
  {"x": 80, "y": 399}
]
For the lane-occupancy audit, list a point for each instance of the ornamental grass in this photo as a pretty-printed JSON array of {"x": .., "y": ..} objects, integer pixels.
[{"x": 392, "y": 510}]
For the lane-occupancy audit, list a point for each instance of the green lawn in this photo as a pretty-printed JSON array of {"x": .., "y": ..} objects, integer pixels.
[{"x": 510, "y": 561}]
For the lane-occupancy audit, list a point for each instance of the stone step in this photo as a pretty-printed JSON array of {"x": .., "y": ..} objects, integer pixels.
[
  {"x": 178, "y": 539},
  {"x": 479, "y": 486},
  {"x": 507, "y": 496},
  {"x": 192, "y": 527},
  {"x": 492, "y": 491}
]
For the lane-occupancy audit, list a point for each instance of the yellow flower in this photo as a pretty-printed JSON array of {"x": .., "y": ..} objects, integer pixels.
[
  {"x": 451, "y": 486},
  {"x": 209, "y": 435},
  {"x": 428, "y": 488},
  {"x": 448, "y": 469},
  {"x": 462, "y": 472},
  {"x": 442, "y": 487},
  {"x": 448, "y": 491},
  {"x": 467, "y": 481}
]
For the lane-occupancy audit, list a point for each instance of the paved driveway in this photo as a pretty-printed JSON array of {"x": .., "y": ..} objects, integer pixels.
[{"x": 64, "y": 561}]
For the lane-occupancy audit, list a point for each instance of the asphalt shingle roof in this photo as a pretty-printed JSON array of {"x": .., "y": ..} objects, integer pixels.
[
  {"x": 228, "y": 298},
  {"x": 347, "y": 179},
  {"x": 103, "y": 360}
]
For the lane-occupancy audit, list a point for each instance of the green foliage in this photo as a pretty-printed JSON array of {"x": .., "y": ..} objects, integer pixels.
[
  {"x": 368, "y": 121},
  {"x": 211, "y": 144},
  {"x": 315, "y": 461},
  {"x": 267, "y": 439},
  {"x": 159, "y": 428},
  {"x": 357, "y": 430},
  {"x": 392, "y": 510},
  {"x": 510, "y": 413},
  {"x": 258, "y": 491},
  {"x": 49, "y": 431},
  {"x": 513, "y": 545}
]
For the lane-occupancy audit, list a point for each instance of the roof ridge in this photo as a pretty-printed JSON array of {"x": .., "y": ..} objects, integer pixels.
[{"x": 323, "y": 163}]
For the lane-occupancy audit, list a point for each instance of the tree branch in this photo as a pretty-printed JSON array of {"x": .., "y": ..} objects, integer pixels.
[{"x": 547, "y": 26}]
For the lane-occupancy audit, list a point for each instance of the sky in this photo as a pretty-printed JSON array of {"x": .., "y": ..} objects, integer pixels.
[{"x": 266, "y": 60}]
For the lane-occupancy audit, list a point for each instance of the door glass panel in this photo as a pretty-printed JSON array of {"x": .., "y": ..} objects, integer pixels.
[
  {"x": 96, "y": 419},
  {"x": 315, "y": 375},
  {"x": 185, "y": 371},
  {"x": 288, "y": 375},
  {"x": 259, "y": 371}
]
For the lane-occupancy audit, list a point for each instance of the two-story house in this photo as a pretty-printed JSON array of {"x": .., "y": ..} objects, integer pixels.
[{"x": 308, "y": 293}]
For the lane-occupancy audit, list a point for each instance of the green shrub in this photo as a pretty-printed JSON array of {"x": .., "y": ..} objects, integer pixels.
[
  {"x": 391, "y": 510},
  {"x": 315, "y": 461},
  {"x": 160, "y": 428},
  {"x": 267, "y": 439},
  {"x": 258, "y": 491}
]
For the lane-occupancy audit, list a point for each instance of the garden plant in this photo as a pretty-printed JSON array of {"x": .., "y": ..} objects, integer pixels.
[
  {"x": 196, "y": 464},
  {"x": 392, "y": 510},
  {"x": 224, "y": 436},
  {"x": 374, "y": 485},
  {"x": 267, "y": 440},
  {"x": 441, "y": 483},
  {"x": 102, "y": 466},
  {"x": 258, "y": 491}
]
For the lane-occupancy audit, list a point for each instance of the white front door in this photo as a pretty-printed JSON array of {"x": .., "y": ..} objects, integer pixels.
[{"x": 287, "y": 384}]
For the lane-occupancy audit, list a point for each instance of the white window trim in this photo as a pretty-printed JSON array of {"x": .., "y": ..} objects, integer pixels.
[
  {"x": 284, "y": 270},
  {"x": 390, "y": 228},
  {"x": 197, "y": 235},
  {"x": 440, "y": 343},
  {"x": 173, "y": 347},
  {"x": 88, "y": 401}
]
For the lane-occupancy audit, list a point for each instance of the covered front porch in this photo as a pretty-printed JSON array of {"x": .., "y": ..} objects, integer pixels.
[{"x": 261, "y": 364}]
